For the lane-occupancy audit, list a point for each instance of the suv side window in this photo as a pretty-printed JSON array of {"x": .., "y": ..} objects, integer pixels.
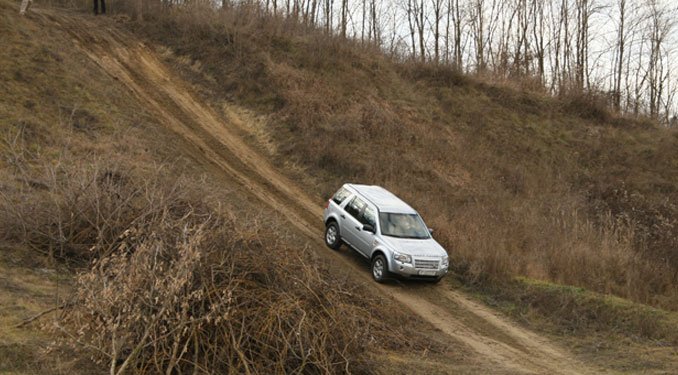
[
  {"x": 341, "y": 195},
  {"x": 354, "y": 207},
  {"x": 369, "y": 217}
]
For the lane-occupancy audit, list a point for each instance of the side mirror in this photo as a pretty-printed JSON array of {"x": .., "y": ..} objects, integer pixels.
[
  {"x": 369, "y": 228},
  {"x": 430, "y": 230}
]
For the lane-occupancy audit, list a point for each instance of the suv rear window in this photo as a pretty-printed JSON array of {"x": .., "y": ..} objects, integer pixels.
[
  {"x": 355, "y": 207},
  {"x": 341, "y": 195}
]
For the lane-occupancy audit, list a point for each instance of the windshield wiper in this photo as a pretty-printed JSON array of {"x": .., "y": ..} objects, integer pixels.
[
  {"x": 394, "y": 235},
  {"x": 406, "y": 237}
]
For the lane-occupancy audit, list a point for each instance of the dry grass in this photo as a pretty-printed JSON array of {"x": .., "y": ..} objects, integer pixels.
[
  {"x": 571, "y": 310},
  {"x": 175, "y": 283},
  {"x": 83, "y": 183},
  {"x": 515, "y": 182}
]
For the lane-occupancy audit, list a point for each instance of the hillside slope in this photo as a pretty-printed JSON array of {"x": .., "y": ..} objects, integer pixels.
[
  {"x": 137, "y": 67},
  {"x": 518, "y": 183},
  {"x": 223, "y": 140}
]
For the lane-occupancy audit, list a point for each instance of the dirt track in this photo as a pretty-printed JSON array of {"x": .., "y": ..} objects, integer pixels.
[{"x": 498, "y": 344}]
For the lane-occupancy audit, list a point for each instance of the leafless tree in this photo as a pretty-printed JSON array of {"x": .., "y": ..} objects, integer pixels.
[
  {"x": 477, "y": 15},
  {"x": 344, "y": 17},
  {"x": 437, "y": 6},
  {"x": 457, "y": 20},
  {"x": 538, "y": 33},
  {"x": 660, "y": 22}
]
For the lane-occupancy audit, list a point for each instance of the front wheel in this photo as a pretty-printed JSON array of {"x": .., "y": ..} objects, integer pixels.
[
  {"x": 332, "y": 237},
  {"x": 379, "y": 268}
]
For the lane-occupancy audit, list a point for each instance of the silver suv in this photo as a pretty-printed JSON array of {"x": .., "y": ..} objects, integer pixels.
[{"x": 385, "y": 230}]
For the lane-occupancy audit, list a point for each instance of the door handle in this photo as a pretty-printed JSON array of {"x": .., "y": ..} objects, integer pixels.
[
  {"x": 343, "y": 216},
  {"x": 358, "y": 228}
]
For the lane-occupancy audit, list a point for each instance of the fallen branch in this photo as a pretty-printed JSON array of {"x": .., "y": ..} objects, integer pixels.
[{"x": 40, "y": 315}]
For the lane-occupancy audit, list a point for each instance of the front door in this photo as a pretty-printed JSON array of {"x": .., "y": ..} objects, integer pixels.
[
  {"x": 351, "y": 228},
  {"x": 366, "y": 238}
]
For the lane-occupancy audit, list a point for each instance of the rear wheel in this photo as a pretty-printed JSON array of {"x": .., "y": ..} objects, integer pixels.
[
  {"x": 332, "y": 236},
  {"x": 379, "y": 268}
]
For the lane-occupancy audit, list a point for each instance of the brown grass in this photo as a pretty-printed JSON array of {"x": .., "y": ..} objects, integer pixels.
[
  {"x": 172, "y": 281},
  {"x": 87, "y": 182},
  {"x": 576, "y": 311},
  {"x": 515, "y": 182}
]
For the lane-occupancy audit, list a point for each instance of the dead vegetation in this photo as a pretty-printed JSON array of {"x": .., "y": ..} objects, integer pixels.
[
  {"x": 171, "y": 281},
  {"x": 172, "y": 273},
  {"x": 515, "y": 182},
  {"x": 191, "y": 292}
]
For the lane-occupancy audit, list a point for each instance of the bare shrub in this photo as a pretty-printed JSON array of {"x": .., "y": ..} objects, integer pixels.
[
  {"x": 196, "y": 293},
  {"x": 590, "y": 105},
  {"x": 77, "y": 210}
]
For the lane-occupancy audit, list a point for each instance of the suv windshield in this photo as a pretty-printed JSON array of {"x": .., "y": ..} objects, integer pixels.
[{"x": 403, "y": 225}]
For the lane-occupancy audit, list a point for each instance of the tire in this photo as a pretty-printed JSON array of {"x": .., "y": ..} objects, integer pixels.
[
  {"x": 379, "y": 268},
  {"x": 332, "y": 236}
]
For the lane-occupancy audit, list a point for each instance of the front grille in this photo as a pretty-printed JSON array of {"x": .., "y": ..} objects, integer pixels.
[{"x": 426, "y": 264}]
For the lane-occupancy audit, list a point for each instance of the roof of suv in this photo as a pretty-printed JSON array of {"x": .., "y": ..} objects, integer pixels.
[{"x": 382, "y": 198}]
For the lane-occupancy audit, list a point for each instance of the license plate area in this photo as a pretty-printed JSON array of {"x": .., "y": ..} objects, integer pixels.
[{"x": 427, "y": 273}]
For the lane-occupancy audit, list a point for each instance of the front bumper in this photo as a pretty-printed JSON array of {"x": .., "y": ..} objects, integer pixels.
[{"x": 408, "y": 270}]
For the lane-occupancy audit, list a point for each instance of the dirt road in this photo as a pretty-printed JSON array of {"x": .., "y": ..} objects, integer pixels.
[{"x": 499, "y": 344}]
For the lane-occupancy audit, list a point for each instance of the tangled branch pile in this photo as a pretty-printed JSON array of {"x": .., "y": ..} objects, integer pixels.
[{"x": 190, "y": 292}]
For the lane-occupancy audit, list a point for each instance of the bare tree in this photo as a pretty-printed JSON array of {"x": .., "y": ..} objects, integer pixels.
[
  {"x": 620, "y": 46},
  {"x": 344, "y": 18},
  {"x": 328, "y": 6},
  {"x": 375, "y": 30},
  {"x": 437, "y": 6},
  {"x": 584, "y": 9},
  {"x": 538, "y": 32},
  {"x": 457, "y": 20},
  {"x": 477, "y": 18},
  {"x": 411, "y": 21},
  {"x": 659, "y": 23},
  {"x": 419, "y": 11}
]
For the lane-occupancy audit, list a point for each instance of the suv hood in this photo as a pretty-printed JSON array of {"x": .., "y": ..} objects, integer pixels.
[{"x": 422, "y": 248}]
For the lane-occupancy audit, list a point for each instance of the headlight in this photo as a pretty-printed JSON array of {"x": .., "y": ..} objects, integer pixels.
[
  {"x": 446, "y": 262},
  {"x": 404, "y": 258}
]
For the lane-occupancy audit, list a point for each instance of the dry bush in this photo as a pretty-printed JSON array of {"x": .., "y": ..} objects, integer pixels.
[
  {"x": 655, "y": 223},
  {"x": 589, "y": 105},
  {"x": 76, "y": 210},
  {"x": 174, "y": 283},
  {"x": 553, "y": 241},
  {"x": 434, "y": 74},
  {"x": 196, "y": 293}
]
